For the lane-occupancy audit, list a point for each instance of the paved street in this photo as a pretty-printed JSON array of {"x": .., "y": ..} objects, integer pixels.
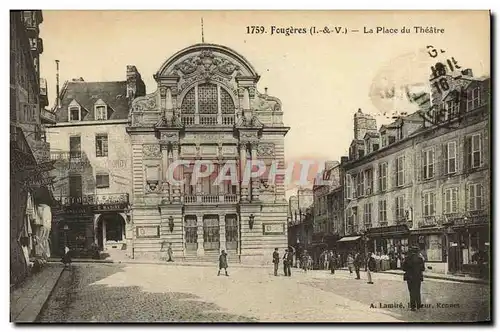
[{"x": 159, "y": 293}]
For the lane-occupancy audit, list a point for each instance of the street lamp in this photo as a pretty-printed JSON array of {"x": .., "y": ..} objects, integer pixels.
[
  {"x": 66, "y": 228},
  {"x": 171, "y": 223},
  {"x": 251, "y": 220}
]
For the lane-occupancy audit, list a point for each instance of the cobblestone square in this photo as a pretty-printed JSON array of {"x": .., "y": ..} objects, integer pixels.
[{"x": 160, "y": 293}]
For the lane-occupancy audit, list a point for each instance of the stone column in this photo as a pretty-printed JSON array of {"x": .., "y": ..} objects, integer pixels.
[
  {"x": 243, "y": 159},
  {"x": 165, "y": 182},
  {"x": 256, "y": 181},
  {"x": 176, "y": 192},
  {"x": 104, "y": 234},
  {"x": 199, "y": 221},
  {"x": 222, "y": 231}
]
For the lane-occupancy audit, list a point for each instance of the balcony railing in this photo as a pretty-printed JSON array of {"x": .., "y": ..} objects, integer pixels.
[
  {"x": 208, "y": 199},
  {"x": 430, "y": 221},
  {"x": 471, "y": 217},
  {"x": 230, "y": 198},
  {"x": 65, "y": 156},
  {"x": 190, "y": 120},
  {"x": 208, "y": 120},
  {"x": 95, "y": 200},
  {"x": 187, "y": 120}
]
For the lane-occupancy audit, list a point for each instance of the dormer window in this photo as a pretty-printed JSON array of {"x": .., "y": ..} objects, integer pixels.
[
  {"x": 74, "y": 113},
  {"x": 100, "y": 110}
]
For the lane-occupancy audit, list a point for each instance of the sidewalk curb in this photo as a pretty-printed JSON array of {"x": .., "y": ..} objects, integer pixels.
[
  {"x": 470, "y": 281},
  {"x": 43, "y": 306},
  {"x": 198, "y": 264}
]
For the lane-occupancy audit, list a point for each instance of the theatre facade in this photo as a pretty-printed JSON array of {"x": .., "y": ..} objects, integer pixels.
[{"x": 206, "y": 109}]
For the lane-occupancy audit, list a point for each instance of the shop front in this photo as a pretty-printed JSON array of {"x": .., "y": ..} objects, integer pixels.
[
  {"x": 389, "y": 244},
  {"x": 432, "y": 244},
  {"x": 469, "y": 246},
  {"x": 89, "y": 224}
]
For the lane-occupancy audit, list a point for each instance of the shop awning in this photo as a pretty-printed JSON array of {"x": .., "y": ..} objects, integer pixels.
[{"x": 349, "y": 238}]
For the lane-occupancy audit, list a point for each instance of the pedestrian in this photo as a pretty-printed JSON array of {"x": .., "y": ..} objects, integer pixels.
[
  {"x": 333, "y": 262},
  {"x": 276, "y": 260},
  {"x": 286, "y": 263},
  {"x": 357, "y": 264},
  {"x": 304, "y": 260},
  {"x": 66, "y": 259},
  {"x": 414, "y": 267},
  {"x": 170, "y": 253},
  {"x": 370, "y": 267},
  {"x": 350, "y": 263},
  {"x": 223, "y": 262}
]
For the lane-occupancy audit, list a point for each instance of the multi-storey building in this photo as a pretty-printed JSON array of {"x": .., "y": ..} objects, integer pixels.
[
  {"x": 426, "y": 184},
  {"x": 206, "y": 108},
  {"x": 92, "y": 153},
  {"x": 300, "y": 220},
  {"x": 30, "y": 196},
  {"x": 327, "y": 209}
]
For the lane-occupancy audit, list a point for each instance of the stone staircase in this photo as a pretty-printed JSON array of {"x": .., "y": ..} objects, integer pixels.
[{"x": 212, "y": 257}]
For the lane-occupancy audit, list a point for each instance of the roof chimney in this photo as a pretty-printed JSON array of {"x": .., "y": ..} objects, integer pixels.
[{"x": 58, "y": 99}]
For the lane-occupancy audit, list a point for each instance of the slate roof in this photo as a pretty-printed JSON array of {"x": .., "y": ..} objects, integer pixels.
[{"x": 114, "y": 94}]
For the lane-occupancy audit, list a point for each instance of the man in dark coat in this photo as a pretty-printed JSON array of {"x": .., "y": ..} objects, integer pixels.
[
  {"x": 287, "y": 262},
  {"x": 223, "y": 262},
  {"x": 276, "y": 260},
  {"x": 414, "y": 266},
  {"x": 332, "y": 257},
  {"x": 358, "y": 261}
]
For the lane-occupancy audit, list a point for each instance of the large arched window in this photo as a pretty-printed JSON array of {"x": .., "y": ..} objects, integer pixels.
[{"x": 207, "y": 98}]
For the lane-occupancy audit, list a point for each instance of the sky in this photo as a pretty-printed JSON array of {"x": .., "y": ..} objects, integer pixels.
[{"x": 321, "y": 79}]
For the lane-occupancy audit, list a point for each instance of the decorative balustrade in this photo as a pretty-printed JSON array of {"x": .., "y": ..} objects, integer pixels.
[
  {"x": 208, "y": 119},
  {"x": 228, "y": 120},
  {"x": 204, "y": 198},
  {"x": 190, "y": 199},
  {"x": 230, "y": 198},
  {"x": 187, "y": 120},
  {"x": 190, "y": 120},
  {"x": 209, "y": 198}
]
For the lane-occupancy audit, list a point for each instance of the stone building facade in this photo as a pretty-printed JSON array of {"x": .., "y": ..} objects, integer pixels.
[
  {"x": 206, "y": 109},
  {"x": 30, "y": 195},
  {"x": 91, "y": 151},
  {"x": 426, "y": 184}
]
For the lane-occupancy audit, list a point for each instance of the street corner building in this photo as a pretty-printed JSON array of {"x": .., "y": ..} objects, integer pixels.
[
  {"x": 424, "y": 180},
  {"x": 115, "y": 144},
  {"x": 30, "y": 184}
]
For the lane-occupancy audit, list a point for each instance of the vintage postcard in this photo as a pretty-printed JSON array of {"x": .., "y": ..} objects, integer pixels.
[{"x": 250, "y": 166}]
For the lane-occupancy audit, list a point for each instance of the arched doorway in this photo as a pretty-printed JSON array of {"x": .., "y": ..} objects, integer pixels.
[{"x": 110, "y": 231}]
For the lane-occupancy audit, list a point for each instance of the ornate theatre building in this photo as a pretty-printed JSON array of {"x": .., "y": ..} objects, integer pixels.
[{"x": 206, "y": 108}]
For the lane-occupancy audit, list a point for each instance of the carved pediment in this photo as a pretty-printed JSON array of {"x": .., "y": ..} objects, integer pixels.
[
  {"x": 249, "y": 122},
  {"x": 207, "y": 63}
]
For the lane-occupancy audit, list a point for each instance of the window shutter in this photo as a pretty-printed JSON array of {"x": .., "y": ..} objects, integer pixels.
[
  {"x": 445, "y": 159},
  {"x": 423, "y": 162},
  {"x": 468, "y": 153},
  {"x": 468, "y": 195},
  {"x": 393, "y": 172}
]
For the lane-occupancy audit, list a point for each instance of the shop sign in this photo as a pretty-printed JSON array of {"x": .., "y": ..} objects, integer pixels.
[
  {"x": 110, "y": 207},
  {"x": 273, "y": 229},
  {"x": 39, "y": 181},
  {"x": 148, "y": 231}
]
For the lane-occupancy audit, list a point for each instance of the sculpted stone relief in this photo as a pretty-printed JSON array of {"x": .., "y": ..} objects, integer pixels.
[
  {"x": 151, "y": 151},
  {"x": 145, "y": 103},
  {"x": 264, "y": 102},
  {"x": 207, "y": 63},
  {"x": 265, "y": 149}
]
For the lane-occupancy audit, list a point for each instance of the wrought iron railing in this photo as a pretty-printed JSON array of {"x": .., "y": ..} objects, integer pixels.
[
  {"x": 430, "y": 221},
  {"x": 94, "y": 199}
]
